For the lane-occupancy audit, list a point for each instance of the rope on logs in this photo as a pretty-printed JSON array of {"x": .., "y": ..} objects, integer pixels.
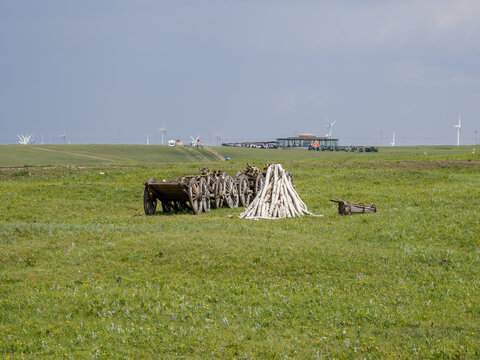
[{"x": 278, "y": 199}]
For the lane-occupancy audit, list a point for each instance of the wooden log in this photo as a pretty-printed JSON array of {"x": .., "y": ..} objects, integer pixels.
[
  {"x": 275, "y": 194},
  {"x": 349, "y": 208}
]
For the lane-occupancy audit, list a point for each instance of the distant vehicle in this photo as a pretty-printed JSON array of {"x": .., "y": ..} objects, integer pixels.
[
  {"x": 228, "y": 158},
  {"x": 254, "y": 145},
  {"x": 356, "y": 148},
  {"x": 371, "y": 149}
]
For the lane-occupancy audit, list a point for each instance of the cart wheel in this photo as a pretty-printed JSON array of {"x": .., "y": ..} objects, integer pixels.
[
  {"x": 211, "y": 184},
  {"x": 231, "y": 192},
  {"x": 205, "y": 195},
  {"x": 259, "y": 182},
  {"x": 167, "y": 206},
  {"x": 195, "y": 196},
  {"x": 219, "y": 194},
  {"x": 149, "y": 202},
  {"x": 244, "y": 190}
]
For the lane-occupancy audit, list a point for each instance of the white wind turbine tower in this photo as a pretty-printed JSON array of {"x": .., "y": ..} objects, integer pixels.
[
  {"x": 330, "y": 128},
  {"x": 393, "y": 140},
  {"x": 64, "y": 137},
  {"x": 163, "y": 131},
  {"x": 458, "y": 126}
]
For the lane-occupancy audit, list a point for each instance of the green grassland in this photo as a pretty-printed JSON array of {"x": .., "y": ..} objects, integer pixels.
[
  {"x": 85, "y": 274},
  {"x": 55, "y": 155},
  {"x": 385, "y": 153}
]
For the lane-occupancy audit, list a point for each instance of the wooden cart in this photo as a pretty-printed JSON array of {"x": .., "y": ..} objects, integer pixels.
[
  {"x": 195, "y": 192},
  {"x": 178, "y": 194}
]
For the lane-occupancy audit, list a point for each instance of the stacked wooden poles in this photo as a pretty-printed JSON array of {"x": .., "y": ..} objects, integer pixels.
[{"x": 278, "y": 199}]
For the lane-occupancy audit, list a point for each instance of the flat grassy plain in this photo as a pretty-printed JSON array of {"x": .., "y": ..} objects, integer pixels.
[
  {"x": 85, "y": 274},
  {"x": 63, "y": 155},
  {"x": 66, "y": 155}
]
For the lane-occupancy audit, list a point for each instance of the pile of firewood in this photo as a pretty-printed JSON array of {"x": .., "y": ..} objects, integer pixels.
[
  {"x": 349, "y": 208},
  {"x": 278, "y": 199}
]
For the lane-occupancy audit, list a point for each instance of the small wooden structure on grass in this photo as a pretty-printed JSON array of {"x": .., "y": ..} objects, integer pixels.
[{"x": 349, "y": 208}]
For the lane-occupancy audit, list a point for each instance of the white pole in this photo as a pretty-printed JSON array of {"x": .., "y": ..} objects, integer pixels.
[{"x": 458, "y": 129}]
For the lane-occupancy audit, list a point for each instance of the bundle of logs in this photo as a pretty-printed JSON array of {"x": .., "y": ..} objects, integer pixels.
[
  {"x": 278, "y": 199},
  {"x": 349, "y": 208}
]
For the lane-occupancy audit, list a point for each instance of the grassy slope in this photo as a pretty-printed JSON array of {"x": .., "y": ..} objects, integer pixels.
[
  {"x": 20, "y": 155},
  {"x": 85, "y": 274}
]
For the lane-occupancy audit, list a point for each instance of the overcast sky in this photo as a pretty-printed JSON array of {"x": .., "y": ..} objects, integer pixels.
[{"x": 116, "y": 71}]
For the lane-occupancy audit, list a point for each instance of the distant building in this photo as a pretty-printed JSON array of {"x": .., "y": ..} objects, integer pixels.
[{"x": 306, "y": 141}]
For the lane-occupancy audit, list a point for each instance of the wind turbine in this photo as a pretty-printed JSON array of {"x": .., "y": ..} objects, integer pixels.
[
  {"x": 195, "y": 141},
  {"x": 24, "y": 139},
  {"x": 218, "y": 138},
  {"x": 458, "y": 126},
  {"x": 330, "y": 128},
  {"x": 148, "y": 141},
  {"x": 64, "y": 137},
  {"x": 393, "y": 140},
  {"x": 163, "y": 131}
]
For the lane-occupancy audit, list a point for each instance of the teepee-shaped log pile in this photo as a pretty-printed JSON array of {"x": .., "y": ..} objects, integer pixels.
[{"x": 278, "y": 199}]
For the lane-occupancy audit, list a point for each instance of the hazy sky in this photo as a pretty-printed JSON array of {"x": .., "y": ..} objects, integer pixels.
[{"x": 116, "y": 71}]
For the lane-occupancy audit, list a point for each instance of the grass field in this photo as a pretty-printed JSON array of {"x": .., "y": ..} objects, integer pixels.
[
  {"x": 85, "y": 274},
  {"x": 54, "y": 155}
]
